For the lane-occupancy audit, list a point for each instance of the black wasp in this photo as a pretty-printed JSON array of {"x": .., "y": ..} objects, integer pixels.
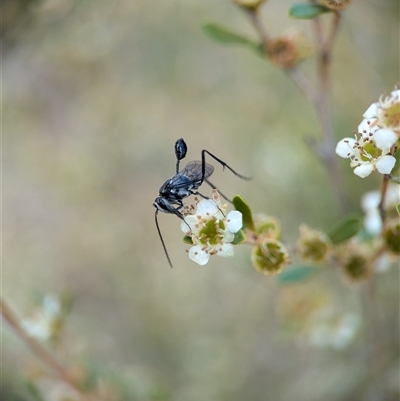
[{"x": 185, "y": 183}]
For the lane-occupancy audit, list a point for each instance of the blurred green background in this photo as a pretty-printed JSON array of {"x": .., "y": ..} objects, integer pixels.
[{"x": 95, "y": 93}]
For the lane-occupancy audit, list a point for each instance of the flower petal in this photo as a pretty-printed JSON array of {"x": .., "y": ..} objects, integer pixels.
[
  {"x": 206, "y": 208},
  {"x": 373, "y": 222},
  {"x": 234, "y": 221},
  {"x": 392, "y": 195},
  {"x": 364, "y": 170},
  {"x": 371, "y": 112},
  {"x": 385, "y": 164},
  {"x": 188, "y": 225},
  {"x": 370, "y": 200},
  {"x": 228, "y": 236},
  {"x": 199, "y": 256},
  {"x": 385, "y": 138},
  {"x": 226, "y": 250},
  {"x": 344, "y": 148},
  {"x": 367, "y": 127}
]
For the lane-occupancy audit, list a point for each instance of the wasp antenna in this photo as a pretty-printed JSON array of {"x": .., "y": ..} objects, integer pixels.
[
  {"x": 161, "y": 238},
  {"x": 180, "y": 152}
]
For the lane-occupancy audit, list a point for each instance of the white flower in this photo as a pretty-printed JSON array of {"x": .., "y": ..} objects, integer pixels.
[
  {"x": 385, "y": 164},
  {"x": 370, "y": 203},
  {"x": 364, "y": 169},
  {"x": 384, "y": 139},
  {"x": 367, "y": 128},
  {"x": 371, "y": 112},
  {"x": 373, "y": 222},
  {"x": 210, "y": 230},
  {"x": 379, "y": 131},
  {"x": 334, "y": 330},
  {"x": 385, "y": 113},
  {"x": 364, "y": 163},
  {"x": 388, "y": 111},
  {"x": 42, "y": 323},
  {"x": 345, "y": 147}
]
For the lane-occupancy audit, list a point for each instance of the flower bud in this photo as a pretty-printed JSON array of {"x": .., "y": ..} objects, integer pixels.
[
  {"x": 337, "y": 4},
  {"x": 283, "y": 52},
  {"x": 356, "y": 267},
  {"x": 313, "y": 245},
  {"x": 391, "y": 236},
  {"x": 267, "y": 226},
  {"x": 269, "y": 256},
  {"x": 289, "y": 49},
  {"x": 250, "y": 4}
]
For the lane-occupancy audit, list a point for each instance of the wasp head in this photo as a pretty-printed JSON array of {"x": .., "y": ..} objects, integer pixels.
[{"x": 163, "y": 205}]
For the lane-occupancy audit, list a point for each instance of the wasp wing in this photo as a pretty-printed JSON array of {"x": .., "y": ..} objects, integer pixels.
[
  {"x": 189, "y": 176},
  {"x": 193, "y": 170}
]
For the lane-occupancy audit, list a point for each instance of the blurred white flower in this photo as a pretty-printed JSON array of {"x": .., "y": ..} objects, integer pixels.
[
  {"x": 384, "y": 263},
  {"x": 370, "y": 202},
  {"x": 371, "y": 149},
  {"x": 210, "y": 230},
  {"x": 333, "y": 330},
  {"x": 43, "y": 322}
]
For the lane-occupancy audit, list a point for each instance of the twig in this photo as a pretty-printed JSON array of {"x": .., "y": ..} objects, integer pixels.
[
  {"x": 381, "y": 206},
  {"x": 318, "y": 98},
  {"x": 296, "y": 74},
  {"x": 324, "y": 53},
  {"x": 373, "y": 355},
  {"x": 40, "y": 351}
]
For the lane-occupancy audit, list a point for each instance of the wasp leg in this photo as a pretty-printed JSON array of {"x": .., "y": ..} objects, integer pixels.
[
  {"x": 214, "y": 187},
  {"x": 198, "y": 193},
  {"x": 180, "y": 215},
  {"x": 203, "y": 167}
]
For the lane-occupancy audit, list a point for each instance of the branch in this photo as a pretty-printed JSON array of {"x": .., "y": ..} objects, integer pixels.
[{"x": 40, "y": 351}]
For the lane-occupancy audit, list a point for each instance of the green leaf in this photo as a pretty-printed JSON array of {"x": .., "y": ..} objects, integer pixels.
[
  {"x": 187, "y": 239},
  {"x": 307, "y": 10},
  {"x": 395, "y": 179},
  {"x": 398, "y": 208},
  {"x": 294, "y": 274},
  {"x": 223, "y": 35},
  {"x": 239, "y": 237},
  {"x": 346, "y": 228},
  {"x": 244, "y": 208}
]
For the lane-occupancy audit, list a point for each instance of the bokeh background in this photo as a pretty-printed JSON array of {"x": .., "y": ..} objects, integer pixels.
[{"x": 95, "y": 93}]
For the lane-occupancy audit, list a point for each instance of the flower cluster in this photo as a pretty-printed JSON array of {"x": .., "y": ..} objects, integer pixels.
[
  {"x": 373, "y": 145},
  {"x": 210, "y": 231}
]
